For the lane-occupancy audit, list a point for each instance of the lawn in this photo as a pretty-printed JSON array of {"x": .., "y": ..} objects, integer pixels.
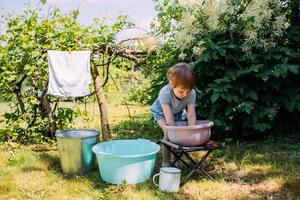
[{"x": 268, "y": 169}]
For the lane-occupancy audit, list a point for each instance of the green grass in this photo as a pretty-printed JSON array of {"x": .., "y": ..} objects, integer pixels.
[{"x": 267, "y": 169}]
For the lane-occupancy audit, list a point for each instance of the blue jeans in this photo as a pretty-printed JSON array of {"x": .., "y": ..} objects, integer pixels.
[{"x": 158, "y": 113}]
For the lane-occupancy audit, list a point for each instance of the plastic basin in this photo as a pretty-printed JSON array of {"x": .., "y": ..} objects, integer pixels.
[
  {"x": 184, "y": 135},
  {"x": 126, "y": 161},
  {"x": 75, "y": 150}
]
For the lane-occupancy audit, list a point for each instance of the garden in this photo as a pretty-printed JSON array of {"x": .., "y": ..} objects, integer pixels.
[{"x": 245, "y": 57}]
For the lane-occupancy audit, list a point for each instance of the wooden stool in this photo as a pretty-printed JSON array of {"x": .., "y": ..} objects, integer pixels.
[{"x": 182, "y": 151}]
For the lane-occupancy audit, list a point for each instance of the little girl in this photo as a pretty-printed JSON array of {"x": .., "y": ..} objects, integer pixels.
[{"x": 175, "y": 102}]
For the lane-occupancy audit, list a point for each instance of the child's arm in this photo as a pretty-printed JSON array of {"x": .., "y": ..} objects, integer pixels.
[
  {"x": 168, "y": 114},
  {"x": 191, "y": 114}
]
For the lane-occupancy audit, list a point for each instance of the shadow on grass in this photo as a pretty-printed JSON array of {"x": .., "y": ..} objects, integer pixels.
[
  {"x": 53, "y": 164},
  {"x": 31, "y": 168},
  {"x": 261, "y": 161},
  {"x": 138, "y": 127},
  {"x": 292, "y": 187},
  {"x": 52, "y": 161}
]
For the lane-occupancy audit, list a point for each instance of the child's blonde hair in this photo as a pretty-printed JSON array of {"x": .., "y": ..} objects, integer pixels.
[{"x": 181, "y": 74}]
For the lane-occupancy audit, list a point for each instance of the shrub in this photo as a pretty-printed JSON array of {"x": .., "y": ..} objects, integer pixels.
[{"x": 245, "y": 56}]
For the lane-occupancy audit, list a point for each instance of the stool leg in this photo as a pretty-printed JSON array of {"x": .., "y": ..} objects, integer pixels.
[
  {"x": 178, "y": 158},
  {"x": 198, "y": 166},
  {"x": 187, "y": 177},
  {"x": 177, "y": 154},
  {"x": 206, "y": 173}
]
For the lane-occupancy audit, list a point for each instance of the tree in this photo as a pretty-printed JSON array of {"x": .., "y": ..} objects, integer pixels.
[{"x": 24, "y": 68}]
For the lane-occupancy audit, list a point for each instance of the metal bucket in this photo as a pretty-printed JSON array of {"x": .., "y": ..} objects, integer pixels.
[{"x": 75, "y": 150}]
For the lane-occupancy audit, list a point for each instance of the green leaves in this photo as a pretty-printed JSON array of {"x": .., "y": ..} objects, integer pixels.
[
  {"x": 247, "y": 72},
  {"x": 252, "y": 94},
  {"x": 23, "y": 52},
  {"x": 246, "y": 106},
  {"x": 261, "y": 126},
  {"x": 292, "y": 68},
  {"x": 214, "y": 97}
]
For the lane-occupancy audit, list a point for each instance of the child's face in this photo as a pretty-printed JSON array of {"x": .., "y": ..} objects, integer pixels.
[{"x": 181, "y": 92}]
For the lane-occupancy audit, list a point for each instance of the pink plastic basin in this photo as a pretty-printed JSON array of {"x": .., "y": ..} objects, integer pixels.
[{"x": 182, "y": 134}]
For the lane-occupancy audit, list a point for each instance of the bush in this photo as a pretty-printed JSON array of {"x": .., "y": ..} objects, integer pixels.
[{"x": 246, "y": 62}]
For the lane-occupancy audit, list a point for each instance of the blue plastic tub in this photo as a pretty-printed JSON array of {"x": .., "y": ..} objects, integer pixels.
[{"x": 126, "y": 161}]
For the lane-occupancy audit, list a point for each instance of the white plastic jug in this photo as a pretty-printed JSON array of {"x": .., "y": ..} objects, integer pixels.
[{"x": 169, "y": 179}]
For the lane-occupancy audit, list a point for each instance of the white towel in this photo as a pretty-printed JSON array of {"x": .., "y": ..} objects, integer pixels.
[{"x": 69, "y": 73}]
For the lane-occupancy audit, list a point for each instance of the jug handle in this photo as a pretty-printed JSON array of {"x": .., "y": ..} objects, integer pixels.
[{"x": 154, "y": 179}]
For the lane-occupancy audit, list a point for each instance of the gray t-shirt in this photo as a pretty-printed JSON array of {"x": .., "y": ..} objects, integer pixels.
[{"x": 167, "y": 96}]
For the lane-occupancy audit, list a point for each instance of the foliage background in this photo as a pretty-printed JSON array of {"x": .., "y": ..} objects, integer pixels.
[
  {"x": 24, "y": 67},
  {"x": 245, "y": 55}
]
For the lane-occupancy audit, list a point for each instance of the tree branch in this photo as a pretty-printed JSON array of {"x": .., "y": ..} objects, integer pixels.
[{"x": 133, "y": 55}]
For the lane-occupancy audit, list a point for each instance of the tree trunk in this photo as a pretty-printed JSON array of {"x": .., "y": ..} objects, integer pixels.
[
  {"x": 102, "y": 106},
  {"x": 48, "y": 113},
  {"x": 17, "y": 91},
  {"x": 20, "y": 100}
]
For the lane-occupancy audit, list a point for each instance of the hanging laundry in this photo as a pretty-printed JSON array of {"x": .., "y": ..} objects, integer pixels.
[{"x": 69, "y": 73}]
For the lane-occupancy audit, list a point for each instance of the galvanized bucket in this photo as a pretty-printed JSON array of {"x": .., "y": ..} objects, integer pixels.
[{"x": 75, "y": 150}]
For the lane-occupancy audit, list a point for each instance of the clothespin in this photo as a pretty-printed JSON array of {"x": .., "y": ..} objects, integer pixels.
[{"x": 69, "y": 50}]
